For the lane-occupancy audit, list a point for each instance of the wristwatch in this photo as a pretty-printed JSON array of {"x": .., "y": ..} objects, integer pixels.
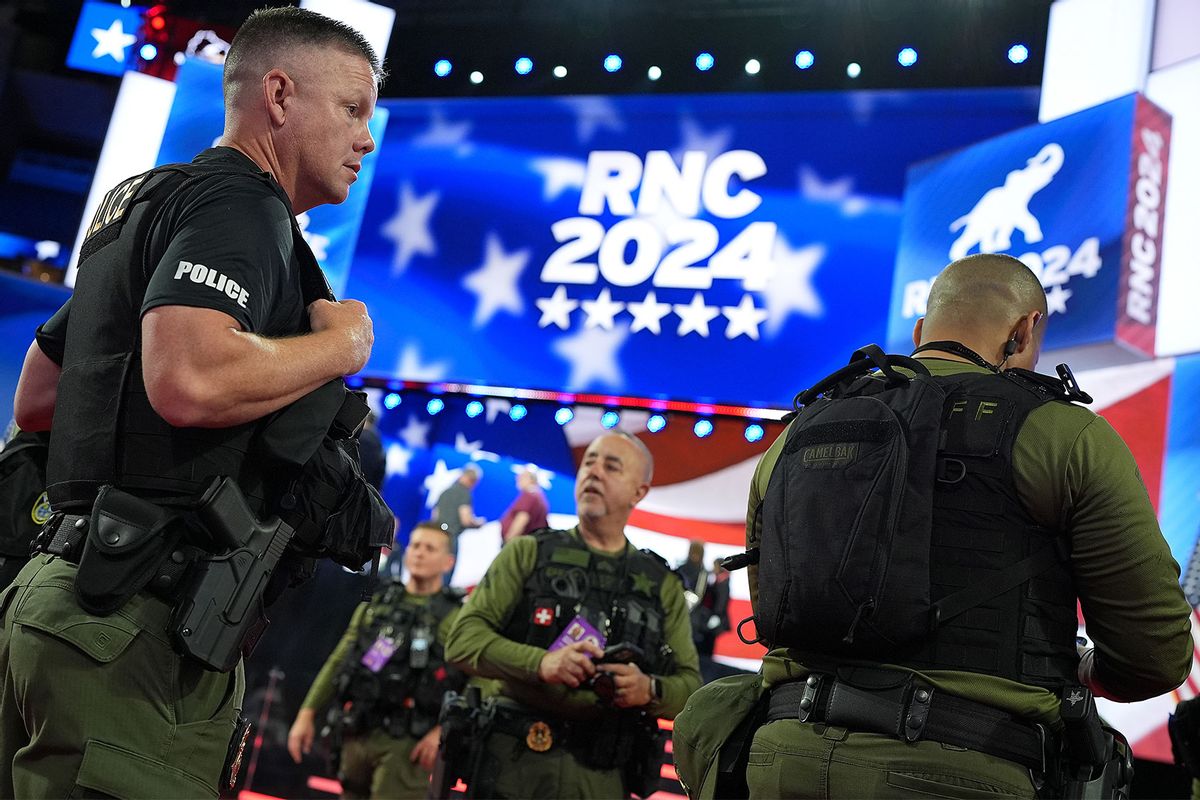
[{"x": 655, "y": 687}]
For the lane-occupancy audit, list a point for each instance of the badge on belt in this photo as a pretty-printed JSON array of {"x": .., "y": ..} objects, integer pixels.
[{"x": 539, "y": 737}]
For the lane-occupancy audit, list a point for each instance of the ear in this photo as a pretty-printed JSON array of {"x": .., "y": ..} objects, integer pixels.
[
  {"x": 642, "y": 490},
  {"x": 278, "y": 91},
  {"x": 917, "y": 331},
  {"x": 1024, "y": 332}
]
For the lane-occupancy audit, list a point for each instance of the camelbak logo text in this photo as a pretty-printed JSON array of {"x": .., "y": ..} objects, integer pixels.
[
  {"x": 198, "y": 273},
  {"x": 829, "y": 456}
]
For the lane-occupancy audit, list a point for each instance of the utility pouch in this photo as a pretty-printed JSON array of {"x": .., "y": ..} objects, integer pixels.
[{"x": 128, "y": 538}]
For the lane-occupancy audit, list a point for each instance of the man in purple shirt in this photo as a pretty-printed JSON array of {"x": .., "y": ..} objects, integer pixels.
[{"x": 528, "y": 512}]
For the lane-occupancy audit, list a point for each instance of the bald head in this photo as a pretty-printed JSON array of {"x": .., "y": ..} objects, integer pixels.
[{"x": 286, "y": 38}]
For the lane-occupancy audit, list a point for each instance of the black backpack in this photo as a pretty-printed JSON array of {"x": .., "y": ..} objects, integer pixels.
[{"x": 23, "y": 505}]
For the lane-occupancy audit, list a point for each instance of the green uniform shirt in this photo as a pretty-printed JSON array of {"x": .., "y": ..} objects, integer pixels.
[
  {"x": 475, "y": 642},
  {"x": 1073, "y": 473},
  {"x": 320, "y": 694}
]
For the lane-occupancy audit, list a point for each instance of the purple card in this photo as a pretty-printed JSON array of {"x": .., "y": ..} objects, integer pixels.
[
  {"x": 578, "y": 630},
  {"x": 375, "y": 658}
]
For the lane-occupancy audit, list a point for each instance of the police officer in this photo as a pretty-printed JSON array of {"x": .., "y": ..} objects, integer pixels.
[
  {"x": 187, "y": 329},
  {"x": 565, "y": 725},
  {"x": 387, "y": 676},
  {"x": 1044, "y": 468}
]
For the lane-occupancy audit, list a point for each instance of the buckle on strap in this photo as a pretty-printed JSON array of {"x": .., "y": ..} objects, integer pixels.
[
  {"x": 918, "y": 713},
  {"x": 808, "y": 700}
]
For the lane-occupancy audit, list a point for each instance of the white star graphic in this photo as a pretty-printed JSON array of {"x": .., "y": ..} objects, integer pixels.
[
  {"x": 415, "y": 434},
  {"x": 593, "y": 113},
  {"x": 485, "y": 455},
  {"x": 438, "y": 482},
  {"x": 409, "y": 228},
  {"x": 494, "y": 284},
  {"x": 1056, "y": 299},
  {"x": 744, "y": 318},
  {"x": 316, "y": 242},
  {"x": 592, "y": 355},
  {"x": 695, "y": 316},
  {"x": 411, "y": 368},
  {"x": 789, "y": 288},
  {"x": 840, "y": 191},
  {"x": 445, "y": 134},
  {"x": 398, "y": 458},
  {"x": 556, "y": 309},
  {"x": 693, "y": 138},
  {"x": 544, "y": 476},
  {"x": 601, "y": 311},
  {"x": 463, "y": 446},
  {"x": 496, "y": 406},
  {"x": 648, "y": 314},
  {"x": 558, "y": 175},
  {"x": 112, "y": 42}
]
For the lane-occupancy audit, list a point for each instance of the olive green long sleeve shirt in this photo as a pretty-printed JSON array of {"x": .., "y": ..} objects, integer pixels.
[
  {"x": 1073, "y": 473},
  {"x": 475, "y": 642}
]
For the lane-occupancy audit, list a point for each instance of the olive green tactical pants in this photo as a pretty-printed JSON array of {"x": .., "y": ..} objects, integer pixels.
[
  {"x": 518, "y": 772},
  {"x": 376, "y": 767},
  {"x": 790, "y": 759},
  {"x": 102, "y": 706}
]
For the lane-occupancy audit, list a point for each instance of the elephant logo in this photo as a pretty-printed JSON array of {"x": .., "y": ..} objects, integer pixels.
[{"x": 1002, "y": 210}]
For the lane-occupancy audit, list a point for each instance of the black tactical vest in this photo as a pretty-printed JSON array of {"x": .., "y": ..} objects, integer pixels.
[
  {"x": 1026, "y": 634},
  {"x": 620, "y": 597},
  {"x": 106, "y": 431},
  {"x": 406, "y": 694}
]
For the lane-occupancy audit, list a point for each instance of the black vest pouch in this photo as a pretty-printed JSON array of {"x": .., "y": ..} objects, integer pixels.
[{"x": 127, "y": 540}]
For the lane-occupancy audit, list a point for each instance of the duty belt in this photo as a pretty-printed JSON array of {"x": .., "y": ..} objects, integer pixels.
[
  {"x": 539, "y": 732},
  {"x": 911, "y": 712},
  {"x": 64, "y": 536}
]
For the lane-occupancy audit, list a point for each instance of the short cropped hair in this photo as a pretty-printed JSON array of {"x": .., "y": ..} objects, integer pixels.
[
  {"x": 641, "y": 448},
  {"x": 430, "y": 525},
  {"x": 269, "y": 31}
]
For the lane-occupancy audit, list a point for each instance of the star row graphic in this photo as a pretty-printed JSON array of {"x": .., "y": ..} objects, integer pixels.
[{"x": 694, "y": 317}]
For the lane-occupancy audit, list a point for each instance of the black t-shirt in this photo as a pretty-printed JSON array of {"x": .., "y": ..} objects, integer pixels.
[{"x": 226, "y": 244}]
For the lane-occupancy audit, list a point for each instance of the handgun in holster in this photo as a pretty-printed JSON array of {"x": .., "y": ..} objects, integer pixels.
[
  {"x": 1096, "y": 762},
  {"x": 465, "y": 721},
  {"x": 221, "y": 615}
]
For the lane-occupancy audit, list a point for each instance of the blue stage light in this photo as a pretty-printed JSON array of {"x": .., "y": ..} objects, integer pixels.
[
  {"x": 609, "y": 419},
  {"x": 612, "y": 62},
  {"x": 1018, "y": 53},
  {"x": 474, "y": 409},
  {"x": 656, "y": 423},
  {"x": 148, "y": 52},
  {"x": 517, "y": 412},
  {"x": 564, "y": 415},
  {"x": 702, "y": 428},
  {"x": 805, "y": 59},
  {"x": 442, "y": 68},
  {"x": 754, "y": 432},
  {"x": 391, "y": 400},
  {"x": 705, "y": 62},
  {"x": 435, "y": 405},
  {"x": 523, "y": 66},
  {"x": 907, "y": 57}
]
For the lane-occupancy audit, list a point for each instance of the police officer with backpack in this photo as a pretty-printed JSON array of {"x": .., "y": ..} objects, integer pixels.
[{"x": 921, "y": 628}]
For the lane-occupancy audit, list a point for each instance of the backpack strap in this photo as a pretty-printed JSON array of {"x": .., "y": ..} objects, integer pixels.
[
  {"x": 862, "y": 361},
  {"x": 997, "y": 584}
]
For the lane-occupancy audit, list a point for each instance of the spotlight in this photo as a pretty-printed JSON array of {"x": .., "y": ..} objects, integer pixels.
[
  {"x": 654, "y": 73},
  {"x": 754, "y": 432},
  {"x": 442, "y": 68},
  {"x": 609, "y": 419},
  {"x": 702, "y": 428},
  {"x": 805, "y": 59},
  {"x": 474, "y": 409},
  {"x": 435, "y": 405},
  {"x": 1018, "y": 53},
  {"x": 157, "y": 23},
  {"x": 752, "y": 66},
  {"x": 656, "y": 423},
  {"x": 853, "y": 70},
  {"x": 476, "y": 77},
  {"x": 523, "y": 65},
  {"x": 148, "y": 52},
  {"x": 907, "y": 57},
  {"x": 705, "y": 61},
  {"x": 391, "y": 400},
  {"x": 612, "y": 62},
  {"x": 564, "y": 415},
  {"x": 560, "y": 71},
  {"x": 517, "y": 412}
]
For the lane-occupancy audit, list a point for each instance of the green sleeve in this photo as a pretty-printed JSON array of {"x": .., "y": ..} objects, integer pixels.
[
  {"x": 321, "y": 692},
  {"x": 475, "y": 643},
  {"x": 1074, "y": 473},
  {"x": 678, "y": 685}
]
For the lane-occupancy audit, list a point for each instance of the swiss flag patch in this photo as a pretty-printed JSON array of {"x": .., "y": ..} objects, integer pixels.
[{"x": 544, "y": 616}]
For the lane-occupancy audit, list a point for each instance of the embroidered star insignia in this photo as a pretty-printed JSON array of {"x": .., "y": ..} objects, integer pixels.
[{"x": 643, "y": 583}]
